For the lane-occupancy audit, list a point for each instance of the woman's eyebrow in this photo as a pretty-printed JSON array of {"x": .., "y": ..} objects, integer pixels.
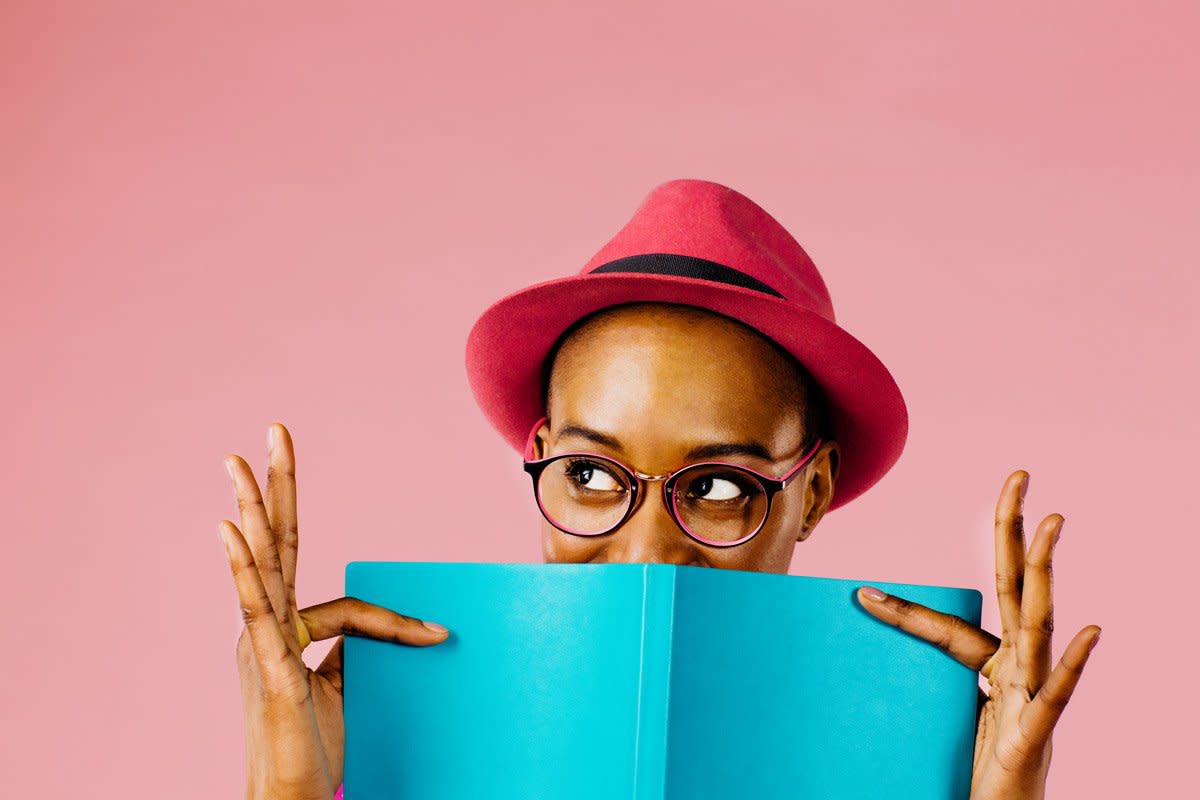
[
  {"x": 590, "y": 435},
  {"x": 730, "y": 449},
  {"x": 703, "y": 451}
]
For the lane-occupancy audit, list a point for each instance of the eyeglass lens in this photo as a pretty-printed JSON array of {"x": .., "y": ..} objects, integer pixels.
[{"x": 589, "y": 495}]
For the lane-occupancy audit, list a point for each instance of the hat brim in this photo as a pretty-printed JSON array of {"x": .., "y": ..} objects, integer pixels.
[{"x": 509, "y": 342}]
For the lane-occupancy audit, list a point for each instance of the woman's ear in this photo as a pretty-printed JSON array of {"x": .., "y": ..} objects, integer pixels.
[
  {"x": 835, "y": 457},
  {"x": 541, "y": 440},
  {"x": 819, "y": 490}
]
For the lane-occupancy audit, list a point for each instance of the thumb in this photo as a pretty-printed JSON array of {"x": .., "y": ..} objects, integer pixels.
[
  {"x": 349, "y": 615},
  {"x": 302, "y": 635},
  {"x": 965, "y": 642}
]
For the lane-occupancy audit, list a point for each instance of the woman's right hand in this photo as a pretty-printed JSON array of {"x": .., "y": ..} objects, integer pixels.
[{"x": 293, "y": 715}]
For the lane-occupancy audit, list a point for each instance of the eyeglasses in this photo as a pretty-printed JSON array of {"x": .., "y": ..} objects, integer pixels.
[{"x": 717, "y": 504}]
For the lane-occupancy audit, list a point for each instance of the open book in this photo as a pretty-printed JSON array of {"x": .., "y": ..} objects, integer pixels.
[{"x": 651, "y": 681}]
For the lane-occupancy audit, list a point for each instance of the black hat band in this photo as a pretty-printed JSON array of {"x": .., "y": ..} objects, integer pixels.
[{"x": 686, "y": 267}]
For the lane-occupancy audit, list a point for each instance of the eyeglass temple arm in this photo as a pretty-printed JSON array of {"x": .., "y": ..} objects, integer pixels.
[{"x": 786, "y": 479}]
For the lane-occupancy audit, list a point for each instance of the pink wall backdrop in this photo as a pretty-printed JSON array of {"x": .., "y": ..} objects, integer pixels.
[{"x": 215, "y": 216}]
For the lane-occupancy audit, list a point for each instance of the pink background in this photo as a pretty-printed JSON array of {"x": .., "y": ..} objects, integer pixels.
[{"x": 218, "y": 216}]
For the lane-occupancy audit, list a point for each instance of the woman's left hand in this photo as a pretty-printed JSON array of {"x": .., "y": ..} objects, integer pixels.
[{"x": 1026, "y": 698}]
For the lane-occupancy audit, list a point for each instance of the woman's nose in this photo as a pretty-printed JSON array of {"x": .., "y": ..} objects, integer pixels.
[{"x": 650, "y": 536}]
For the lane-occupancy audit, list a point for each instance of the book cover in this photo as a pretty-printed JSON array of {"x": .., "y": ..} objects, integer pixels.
[{"x": 651, "y": 681}]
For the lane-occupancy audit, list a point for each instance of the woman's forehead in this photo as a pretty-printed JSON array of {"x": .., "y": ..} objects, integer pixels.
[{"x": 675, "y": 380}]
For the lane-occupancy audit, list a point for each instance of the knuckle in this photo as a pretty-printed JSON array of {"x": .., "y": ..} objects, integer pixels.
[
  {"x": 1017, "y": 687},
  {"x": 949, "y": 633},
  {"x": 407, "y": 620},
  {"x": 956, "y": 628},
  {"x": 1006, "y": 515},
  {"x": 902, "y": 607},
  {"x": 249, "y": 503},
  {"x": 1056, "y": 700},
  {"x": 287, "y": 690},
  {"x": 252, "y": 616},
  {"x": 354, "y": 611},
  {"x": 269, "y": 560},
  {"x": 289, "y": 532},
  {"x": 1074, "y": 668},
  {"x": 274, "y": 471},
  {"x": 1043, "y": 624},
  {"x": 1009, "y": 582},
  {"x": 404, "y": 634},
  {"x": 1040, "y": 562},
  {"x": 1040, "y": 559}
]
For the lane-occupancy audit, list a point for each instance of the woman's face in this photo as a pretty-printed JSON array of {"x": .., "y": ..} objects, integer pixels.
[{"x": 652, "y": 382}]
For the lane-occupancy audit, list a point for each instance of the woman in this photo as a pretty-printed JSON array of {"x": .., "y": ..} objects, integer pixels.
[{"x": 700, "y": 332}]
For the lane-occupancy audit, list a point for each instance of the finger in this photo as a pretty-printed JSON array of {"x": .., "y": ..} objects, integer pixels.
[
  {"x": 281, "y": 505},
  {"x": 349, "y": 615},
  {"x": 1037, "y": 608},
  {"x": 256, "y": 530},
  {"x": 279, "y": 671},
  {"x": 968, "y": 644},
  {"x": 331, "y": 665},
  {"x": 1040, "y": 715},
  {"x": 1010, "y": 551}
]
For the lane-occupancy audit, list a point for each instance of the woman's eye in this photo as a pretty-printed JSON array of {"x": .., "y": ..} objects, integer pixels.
[
  {"x": 714, "y": 488},
  {"x": 593, "y": 477}
]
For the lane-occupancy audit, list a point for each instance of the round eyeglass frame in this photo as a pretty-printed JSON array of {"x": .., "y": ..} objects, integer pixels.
[{"x": 771, "y": 486}]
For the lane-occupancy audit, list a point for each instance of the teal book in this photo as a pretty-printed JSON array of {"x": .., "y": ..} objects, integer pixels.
[{"x": 651, "y": 681}]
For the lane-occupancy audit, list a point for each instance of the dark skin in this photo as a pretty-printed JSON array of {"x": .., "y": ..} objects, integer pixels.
[
  {"x": 662, "y": 381},
  {"x": 655, "y": 381}
]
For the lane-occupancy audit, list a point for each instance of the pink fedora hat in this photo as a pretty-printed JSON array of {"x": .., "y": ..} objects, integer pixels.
[{"x": 700, "y": 244}]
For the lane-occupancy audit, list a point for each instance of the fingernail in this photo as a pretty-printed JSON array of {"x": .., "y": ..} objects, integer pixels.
[
  {"x": 229, "y": 468},
  {"x": 221, "y": 535},
  {"x": 1095, "y": 639},
  {"x": 270, "y": 437},
  {"x": 871, "y": 593},
  {"x": 1058, "y": 532},
  {"x": 433, "y": 626},
  {"x": 1024, "y": 485}
]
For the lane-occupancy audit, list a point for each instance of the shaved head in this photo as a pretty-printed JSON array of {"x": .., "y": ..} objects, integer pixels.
[{"x": 788, "y": 381}]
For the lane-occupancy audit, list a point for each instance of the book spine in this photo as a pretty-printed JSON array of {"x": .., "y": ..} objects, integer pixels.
[{"x": 654, "y": 685}]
